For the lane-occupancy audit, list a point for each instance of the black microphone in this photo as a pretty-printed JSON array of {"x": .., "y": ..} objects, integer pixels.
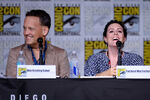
[
  {"x": 119, "y": 44},
  {"x": 40, "y": 41}
]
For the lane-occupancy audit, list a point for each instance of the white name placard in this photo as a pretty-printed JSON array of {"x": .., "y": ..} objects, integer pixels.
[
  {"x": 36, "y": 71},
  {"x": 133, "y": 72}
]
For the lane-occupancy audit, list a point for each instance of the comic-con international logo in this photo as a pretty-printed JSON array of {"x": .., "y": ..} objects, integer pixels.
[
  {"x": 121, "y": 72},
  {"x": 22, "y": 72},
  {"x": 67, "y": 20},
  {"x": 10, "y": 20},
  {"x": 147, "y": 52},
  {"x": 129, "y": 15}
]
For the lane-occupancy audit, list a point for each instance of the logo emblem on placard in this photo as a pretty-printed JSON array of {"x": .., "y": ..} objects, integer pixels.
[
  {"x": 121, "y": 72},
  {"x": 22, "y": 72}
]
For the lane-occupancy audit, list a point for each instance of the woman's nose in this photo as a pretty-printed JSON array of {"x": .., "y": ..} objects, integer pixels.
[{"x": 115, "y": 33}]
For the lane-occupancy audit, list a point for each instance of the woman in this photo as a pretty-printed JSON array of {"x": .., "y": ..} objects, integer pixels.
[{"x": 104, "y": 63}]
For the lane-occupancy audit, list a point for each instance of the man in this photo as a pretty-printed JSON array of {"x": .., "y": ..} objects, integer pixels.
[{"x": 36, "y": 25}]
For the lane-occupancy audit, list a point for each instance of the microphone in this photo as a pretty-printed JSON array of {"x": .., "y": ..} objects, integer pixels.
[
  {"x": 40, "y": 41},
  {"x": 119, "y": 44}
]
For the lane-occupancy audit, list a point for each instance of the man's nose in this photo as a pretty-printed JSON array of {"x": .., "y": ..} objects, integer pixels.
[{"x": 26, "y": 31}]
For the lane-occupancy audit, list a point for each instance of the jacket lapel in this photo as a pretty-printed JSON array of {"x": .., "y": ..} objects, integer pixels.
[
  {"x": 50, "y": 57},
  {"x": 28, "y": 55}
]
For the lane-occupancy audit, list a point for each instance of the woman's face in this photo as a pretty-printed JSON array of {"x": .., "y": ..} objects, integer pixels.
[{"x": 114, "y": 33}]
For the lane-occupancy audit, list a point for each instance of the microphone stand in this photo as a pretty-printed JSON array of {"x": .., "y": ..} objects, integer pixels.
[
  {"x": 119, "y": 45},
  {"x": 41, "y": 56},
  {"x": 40, "y": 41},
  {"x": 119, "y": 56}
]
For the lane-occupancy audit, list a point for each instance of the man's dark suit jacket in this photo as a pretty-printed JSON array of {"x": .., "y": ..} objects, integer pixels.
[{"x": 54, "y": 56}]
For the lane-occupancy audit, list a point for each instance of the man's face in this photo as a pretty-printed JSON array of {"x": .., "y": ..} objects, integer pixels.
[{"x": 32, "y": 30}]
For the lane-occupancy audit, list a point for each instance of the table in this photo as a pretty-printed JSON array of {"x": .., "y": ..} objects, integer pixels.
[{"x": 75, "y": 89}]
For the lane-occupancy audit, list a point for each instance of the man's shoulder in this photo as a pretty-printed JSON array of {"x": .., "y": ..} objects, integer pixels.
[
  {"x": 17, "y": 48},
  {"x": 55, "y": 48}
]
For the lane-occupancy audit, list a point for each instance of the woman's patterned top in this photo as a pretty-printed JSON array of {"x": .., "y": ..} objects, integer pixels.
[{"x": 99, "y": 62}]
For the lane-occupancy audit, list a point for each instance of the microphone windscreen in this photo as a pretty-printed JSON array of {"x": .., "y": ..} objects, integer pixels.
[
  {"x": 40, "y": 40},
  {"x": 119, "y": 44}
]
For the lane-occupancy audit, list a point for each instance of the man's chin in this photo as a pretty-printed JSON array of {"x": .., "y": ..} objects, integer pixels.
[
  {"x": 28, "y": 43},
  {"x": 33, "y": 45}
]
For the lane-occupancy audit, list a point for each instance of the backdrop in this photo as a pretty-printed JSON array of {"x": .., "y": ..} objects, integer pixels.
[{"x": 78, "y": 25}]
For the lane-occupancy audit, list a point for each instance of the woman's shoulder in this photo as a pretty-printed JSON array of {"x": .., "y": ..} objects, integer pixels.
[
  {"x": 133, "y": 58},
  {"x": 96, "y": 56},
  {"x": 99, "y": 54},
  {"x": 132, "y": 55}
]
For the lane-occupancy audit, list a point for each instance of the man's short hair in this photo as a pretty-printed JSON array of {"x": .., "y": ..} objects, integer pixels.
[{"x": 45, "y": 18}]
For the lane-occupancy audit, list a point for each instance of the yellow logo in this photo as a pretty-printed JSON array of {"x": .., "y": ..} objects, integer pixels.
[
  {"x": 121, "y": 72},
  {"x": 22, "y": 71}
]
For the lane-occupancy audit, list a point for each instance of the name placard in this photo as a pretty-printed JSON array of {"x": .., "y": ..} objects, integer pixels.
[
  {"x": 36, "y": 71},
  {"x": 133, "y": 72}
]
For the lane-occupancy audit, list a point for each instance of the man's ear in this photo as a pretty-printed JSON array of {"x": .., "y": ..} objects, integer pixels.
[{"x": 45, "y": 30}]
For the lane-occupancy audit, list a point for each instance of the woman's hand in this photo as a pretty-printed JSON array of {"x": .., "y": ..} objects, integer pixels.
[{"x": 110, "y": 72}]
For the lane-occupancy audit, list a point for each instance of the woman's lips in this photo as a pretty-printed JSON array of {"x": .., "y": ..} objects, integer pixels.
[{"x": 115, "y": 39}]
